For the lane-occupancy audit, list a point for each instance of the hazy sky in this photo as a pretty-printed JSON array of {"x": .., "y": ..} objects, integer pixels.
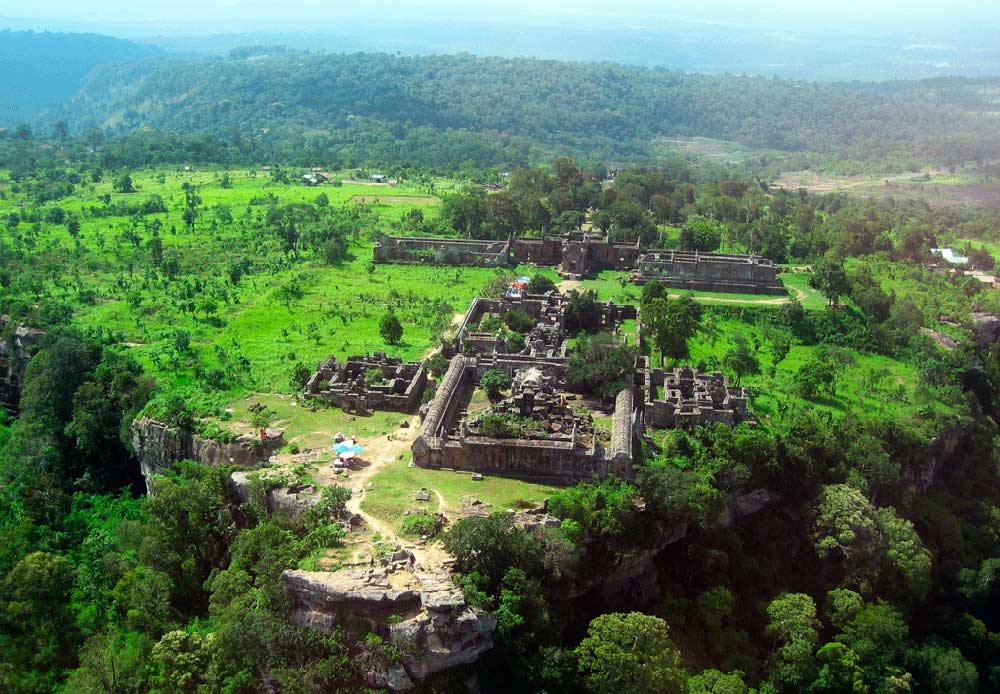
[{"x": 209, "y": 16}]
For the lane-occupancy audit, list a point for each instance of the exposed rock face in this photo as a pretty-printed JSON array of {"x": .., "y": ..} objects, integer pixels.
[
  {"x": 284, "y": 501},
  {"x": 423, "y": 612},
  {"x": 158, "y": 447},
  {"x": 633, "y": 579},
  {"x": 987, "y": 328},
  {"x": 15, "y": 353},
  {"x": 943, "y": 448}
]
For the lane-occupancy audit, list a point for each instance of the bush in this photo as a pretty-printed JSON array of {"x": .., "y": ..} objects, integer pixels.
[
  {"x": 518, "y": 320},
  {"x": 420, "y": 525},
  {"x": 493, "y": 382},
  {"x": 540, "y": 284},
  {"x": 497, "y": 426}
]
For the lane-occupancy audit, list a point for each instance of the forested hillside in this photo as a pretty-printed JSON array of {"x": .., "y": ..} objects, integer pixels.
[
  {"x": 404, "y": 104},
  {"x": 43, "y": 69}
]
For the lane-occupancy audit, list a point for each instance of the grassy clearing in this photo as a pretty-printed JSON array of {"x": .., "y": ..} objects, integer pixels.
[
  {"x": 798, "y": 283},
  {"x": 870, "y": 385},
  {"x": 314, "y": 429},
  {"x": 394, "y": 489}
]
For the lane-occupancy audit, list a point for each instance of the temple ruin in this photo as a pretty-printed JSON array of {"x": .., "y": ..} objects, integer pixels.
[
  {"x": 578, "y": 254},
  {"x": 684, "y": 398},
  {"x": 350, "y": 386},
  {"x": 442, "y": 251},
  {"x": 710, "y": 272},
  {"x": 547, "y": 440},
  {"x": 546, "y": 341}
]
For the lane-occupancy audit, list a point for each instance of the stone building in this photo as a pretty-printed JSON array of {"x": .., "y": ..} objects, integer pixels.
[
  {"x": 684, "y": 398},
  {"x": 345, "y": 384},
  {"x": 713, "y": 272},
  {"x": 559, "y": 446},
  {"x": 442, "y": 251},
  {"x": 584, "y": 255}
]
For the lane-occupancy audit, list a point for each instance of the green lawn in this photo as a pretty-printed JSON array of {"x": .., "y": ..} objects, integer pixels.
[
  {"x": 870, "y": 385},
  {"x": 395, "y": 487}
]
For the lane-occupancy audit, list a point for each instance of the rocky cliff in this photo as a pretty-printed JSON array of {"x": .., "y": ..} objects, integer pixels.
[
  {"x": 632, "y": 580},
  {"x": 17, "y": 346},
  {"x": 421, "y": 612},
  {"x": 158, "y": 447}
]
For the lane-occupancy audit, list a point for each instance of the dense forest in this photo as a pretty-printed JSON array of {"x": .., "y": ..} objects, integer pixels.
[
  {"x": 873, "y": 568},
  {"x": 166, "y": 243},
  {"x": 598, "y": 110},
  {"x": 43, "y": 70},
  {"x": 437, "y": 111}
]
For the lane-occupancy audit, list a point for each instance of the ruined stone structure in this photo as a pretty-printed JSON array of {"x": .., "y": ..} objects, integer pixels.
[
  {"x": 559, "y": 447},
  {"x": 344, "y": 384},
  {"x": 159, "y": 447},
  {"x": 578, "y": 254},
  {"x": 685, "y": 398},
  {"x": 442, "y": 251},
  {"x": 712, "y": 272},
  {"x": 584, "y": 255},
  {"x": 17, "y": 346},
  {"x": 423, "y": 612},
  {"x": 547, "y": 340}
]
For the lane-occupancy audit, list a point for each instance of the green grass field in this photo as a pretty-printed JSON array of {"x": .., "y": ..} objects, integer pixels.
[{"x": 394, "y": 490}]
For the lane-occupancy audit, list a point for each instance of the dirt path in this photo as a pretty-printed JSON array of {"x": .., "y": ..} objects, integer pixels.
[{"x": 379, "y": 453}]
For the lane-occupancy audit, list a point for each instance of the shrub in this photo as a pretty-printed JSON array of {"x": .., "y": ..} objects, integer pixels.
[
  {"x": 494, "y": 381},
  {"x": 420, "y": 525}
]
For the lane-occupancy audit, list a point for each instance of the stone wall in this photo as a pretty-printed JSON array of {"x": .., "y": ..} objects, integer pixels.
[
  {"x": 442, "y": 251},
  {"x": 714, "y": 272},
  {"x": 584, "y": 255},
  {"x": 159, "y": 447},
  {"x": 547, "y": 250}
]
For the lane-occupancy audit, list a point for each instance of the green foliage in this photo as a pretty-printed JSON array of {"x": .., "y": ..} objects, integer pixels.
[
  {"x": 601, "y": 365},
  {"x": 390, "y": 329},
  {"x": 490, "y": 546},
  {"x": 582, "y": 312},
  {"x": 605, "y": 508},
  {"x": 672, "y": 322},
  {"x": 830, "y": 279},
  {"x": 493, "y": 381},
  {"x": 540, "y": 284},
  {"x": 420, "y": 525},
  {"x": 503, "y": 426},
  {"x": 700, "y": 234},
  {"x": 630, "y": 652},
  {"x": 518, "y": 320},
  {"x": 793, "y": 628}
]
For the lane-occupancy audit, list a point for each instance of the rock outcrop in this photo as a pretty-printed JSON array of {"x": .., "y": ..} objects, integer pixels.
[
  {"x": 16, "y": 349},
  {"x": 421, "y": 612},
  {"x": 633, "y": 578},
  {"x": 286, "y": 500},
  {"x": 159, "y": 447}
]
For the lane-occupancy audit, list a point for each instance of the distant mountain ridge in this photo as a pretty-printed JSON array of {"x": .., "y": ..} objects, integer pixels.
[
  {"x": 585, "y": 107},
  {"x": 39, "y": 69}
]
